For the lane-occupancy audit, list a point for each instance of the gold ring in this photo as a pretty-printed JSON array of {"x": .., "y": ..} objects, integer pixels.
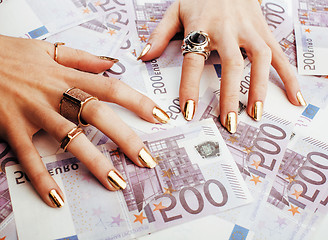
[
  {"x": 56, "y": 50},
  {"x": 70, "y": 136},
  {"x": 72, "y": 103}
]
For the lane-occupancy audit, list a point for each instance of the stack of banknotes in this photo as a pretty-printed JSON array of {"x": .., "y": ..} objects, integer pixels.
[{"x": 266, "y": 181}]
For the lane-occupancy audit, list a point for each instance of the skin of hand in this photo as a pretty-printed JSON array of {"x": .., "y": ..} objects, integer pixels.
[
  {"x": 32, "y": 84},
  {"x": 231, "y": 25}
]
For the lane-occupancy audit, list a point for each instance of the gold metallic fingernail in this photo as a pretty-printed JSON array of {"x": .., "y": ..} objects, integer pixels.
[
  {"x": 257, "y": 110},
  {"x": 146, "y": 158},
  {"x": 144, "y": 51},
  {"x": 231, "y": 122},
  {"x": 300, "y": 98},
  {"x": 189, "y": 110},
  {"x": 114, "y": 60},
  {"x": 56, "y": 199},
  {"x": 116, "y": 180},
  {"x": 160, "y": 115}
]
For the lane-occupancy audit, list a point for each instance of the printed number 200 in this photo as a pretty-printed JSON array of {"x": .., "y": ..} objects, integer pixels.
[{"x": 199, "y": 197}]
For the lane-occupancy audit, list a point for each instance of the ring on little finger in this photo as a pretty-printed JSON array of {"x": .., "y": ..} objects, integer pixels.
[
  {"x": 196, "y": 42},
  {"x": 72, "y": 103}
]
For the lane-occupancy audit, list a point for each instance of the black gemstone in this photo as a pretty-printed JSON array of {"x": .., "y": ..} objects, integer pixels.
[{"x": 197, "y": 38}]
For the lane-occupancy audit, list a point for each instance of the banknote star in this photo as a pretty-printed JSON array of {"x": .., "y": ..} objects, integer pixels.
[
  {"x": 152, "y": 19},
  {"x": 86, "y": 10},
  {"x": 302, "y": 22},
  {"x": 305, "y": 14},
  {"x": 248, "y": 149},
  {"x": 293, "y": 209},
  {"x": 98, "y": 3},
  {"x": 143, "y": 38},
  {"x": 297, "y": 194},
  {"x": 97, "y": 212},
  {"x": 167, "y": 173},
  {"x": 281, "y": 221},
  {"x": 169, "y": 190},
  {"x": 158, "y": 207},
  {"x": 290, "y": 178},
  {"x": 3, "y": 238},
  {"x": 144, "y": 27},
  {"x": 114, "y": 20},
  {"x": 139, "y": 218},
  {"x": 314, "y": 9},
  {"x": 233, "y": 139},
  {"x": 308, "y": 30},
  {"x": 256, "y": 164},
  {"x": 111, "y": 32},
  {"x": 256, "y": 180},
  {"x": 117, "y": 220}
]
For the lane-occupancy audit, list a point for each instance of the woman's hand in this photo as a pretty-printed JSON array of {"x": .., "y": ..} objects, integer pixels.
[
  {"x": 231, "y": 25},
  {"x": 32, "y": 84}
]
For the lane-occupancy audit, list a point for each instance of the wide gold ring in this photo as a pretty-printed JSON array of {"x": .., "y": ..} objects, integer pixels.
[
  {"x": 70, "y": 136},
  {"x": 72, "y": 104},
  {"x": 56, "y": 50}
]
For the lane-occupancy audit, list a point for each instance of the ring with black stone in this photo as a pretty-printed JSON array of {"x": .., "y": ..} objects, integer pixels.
[{"x": 196, "y": 42}]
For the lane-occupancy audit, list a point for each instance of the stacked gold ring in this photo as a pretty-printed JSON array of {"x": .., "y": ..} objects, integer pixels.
[{"x": 72, "y": 103}]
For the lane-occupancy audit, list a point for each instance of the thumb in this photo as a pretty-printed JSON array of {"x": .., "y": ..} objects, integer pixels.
[{"x": 163, "y": 33}]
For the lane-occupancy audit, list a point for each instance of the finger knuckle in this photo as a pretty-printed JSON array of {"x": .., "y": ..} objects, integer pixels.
[
  {"x": 263, "y": 51},
  {"x": 233, "y": 62}
]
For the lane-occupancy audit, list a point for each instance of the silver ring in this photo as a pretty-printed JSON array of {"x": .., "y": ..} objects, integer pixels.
[{"x": 196, "y": 42}]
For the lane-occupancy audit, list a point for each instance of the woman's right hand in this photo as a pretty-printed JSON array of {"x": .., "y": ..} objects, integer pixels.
[{"x": 32, "y": 84}]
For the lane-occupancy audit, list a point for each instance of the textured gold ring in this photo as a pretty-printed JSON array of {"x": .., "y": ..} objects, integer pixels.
[
  {"x": 56, "y": 50},
  {"x": 72, "y": 104},
  {"x": 70, "y": 136}
]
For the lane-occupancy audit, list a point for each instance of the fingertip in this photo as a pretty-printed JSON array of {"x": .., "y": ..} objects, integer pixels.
[
  {"x": 163, "y": 33},
  {"x": 55, "y": 198}
]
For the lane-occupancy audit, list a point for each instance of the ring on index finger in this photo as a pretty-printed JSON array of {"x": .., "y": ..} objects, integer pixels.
[
  {"x": 196, "y": 42},
  {"x": 72, "y": 103}
]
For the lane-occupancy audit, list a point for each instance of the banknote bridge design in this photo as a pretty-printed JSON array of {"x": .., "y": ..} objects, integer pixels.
[{"x": 173, "y": 172}]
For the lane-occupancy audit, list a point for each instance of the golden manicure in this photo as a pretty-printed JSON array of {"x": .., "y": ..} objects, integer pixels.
[
  {"x": 189, "y": 110},
  {"x": 160, "y": 115},
  {"x": 257, "y": 110},
  {"x": 300, "y": 98},
  {"x": 116, "y": 180},
  {"x": 146, "y": 158},
  {"x": 56, "y": 199},
  {"x": 114, "y": 60},
  {"x": 231, "y": 122},
  {"x": 144, "y": 51}
]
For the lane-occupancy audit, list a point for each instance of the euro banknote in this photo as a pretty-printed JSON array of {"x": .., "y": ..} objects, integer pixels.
[
  {"x": 311, "y": 32},
  {"x": 195, "y": 176}
]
